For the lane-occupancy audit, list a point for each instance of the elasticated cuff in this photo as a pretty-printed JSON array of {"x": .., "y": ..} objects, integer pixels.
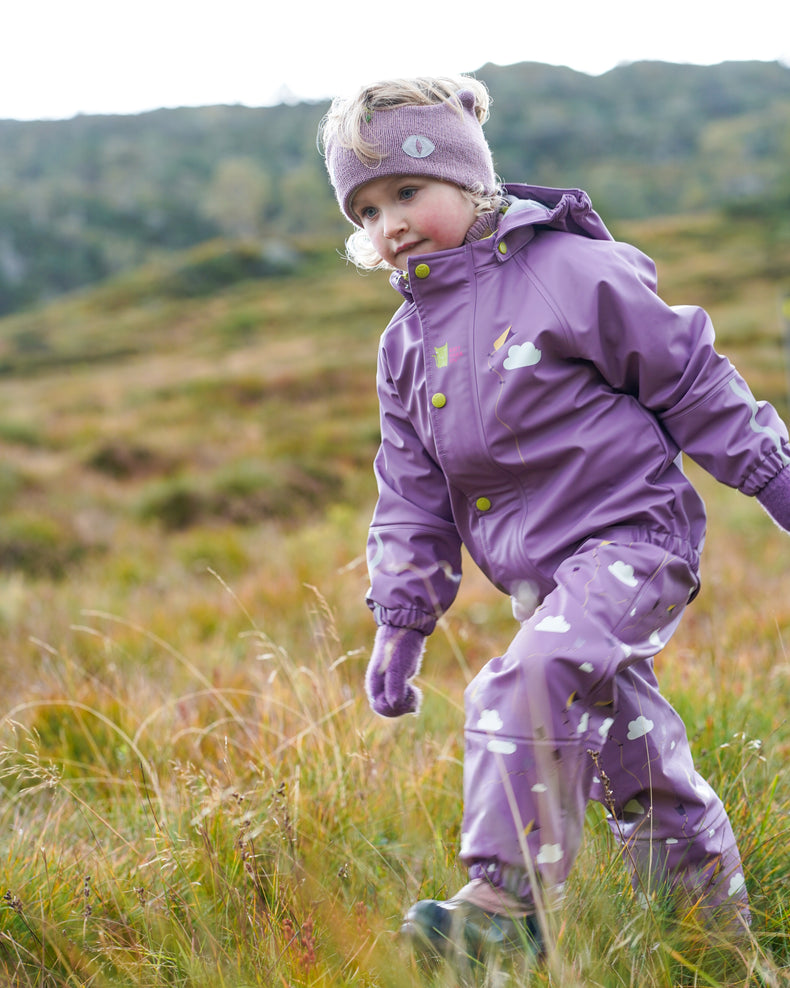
[{"x": 775, "y": 498}]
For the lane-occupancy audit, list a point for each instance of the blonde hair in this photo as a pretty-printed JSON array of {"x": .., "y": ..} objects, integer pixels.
[{"x": 344, "y": 121}]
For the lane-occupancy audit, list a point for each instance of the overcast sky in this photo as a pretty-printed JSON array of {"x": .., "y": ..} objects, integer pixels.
[{"x": 59, "y": 58}]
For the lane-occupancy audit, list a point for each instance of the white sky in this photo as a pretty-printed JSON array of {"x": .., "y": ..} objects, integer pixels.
[{"x": 63, "y": 57}]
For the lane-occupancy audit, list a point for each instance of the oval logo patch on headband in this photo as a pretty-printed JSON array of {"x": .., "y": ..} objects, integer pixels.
[{"x": 417, "y": 146}]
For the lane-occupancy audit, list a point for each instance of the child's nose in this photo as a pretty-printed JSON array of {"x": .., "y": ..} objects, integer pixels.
[{"x": 394, "y": 223}]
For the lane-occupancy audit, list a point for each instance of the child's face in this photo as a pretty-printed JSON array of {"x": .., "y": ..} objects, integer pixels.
[{"x": 408, "y": 215}]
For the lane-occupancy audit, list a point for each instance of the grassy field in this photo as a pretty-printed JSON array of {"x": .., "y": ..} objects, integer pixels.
[{"x": 194, "y": 792}]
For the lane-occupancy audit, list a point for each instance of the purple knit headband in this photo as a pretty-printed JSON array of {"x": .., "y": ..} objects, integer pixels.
[{"x": 435, "y": 141}]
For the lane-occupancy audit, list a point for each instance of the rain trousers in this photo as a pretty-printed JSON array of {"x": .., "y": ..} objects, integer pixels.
[{"x": 536, "y": 395}]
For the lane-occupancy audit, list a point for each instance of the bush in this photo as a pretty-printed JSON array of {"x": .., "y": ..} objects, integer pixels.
[
  {"x": 37, "y": 545},
  {"x": 218, "y": 265},
  {"x": 123, "y": 460},
  {"x": 175, "y": 504}
]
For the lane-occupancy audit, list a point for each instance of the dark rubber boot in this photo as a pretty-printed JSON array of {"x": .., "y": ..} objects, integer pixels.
[{"x": 441, "y": 930}]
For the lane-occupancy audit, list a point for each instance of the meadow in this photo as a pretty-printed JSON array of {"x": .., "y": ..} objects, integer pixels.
[{"x": 194, "y": 792}]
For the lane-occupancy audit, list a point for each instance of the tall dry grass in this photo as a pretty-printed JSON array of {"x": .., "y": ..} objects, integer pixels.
[
  {"x": 194, "y": 792},
  {"x": 227, "y": 811}
]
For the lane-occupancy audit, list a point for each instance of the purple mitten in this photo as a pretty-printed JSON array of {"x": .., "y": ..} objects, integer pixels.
[
  {"x": 775, "y": 498},
  {"x": 396, "y": 657}
]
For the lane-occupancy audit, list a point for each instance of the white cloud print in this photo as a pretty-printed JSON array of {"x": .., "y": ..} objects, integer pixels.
[
  {"x": 549, "y": 854},
  {"x": 489, "y": 721},
  {"x": 522, "y": 355},
  {"x": 607, "y": 722},
  {"x": 640, "y": 727},
  {"x": 623, "y": 572},
  {"x": 555, "y": 624},
  {"x": 499, "y": 747}
]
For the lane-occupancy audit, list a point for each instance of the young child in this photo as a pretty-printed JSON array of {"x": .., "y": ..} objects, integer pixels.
[{"x": 535, "y": 397}]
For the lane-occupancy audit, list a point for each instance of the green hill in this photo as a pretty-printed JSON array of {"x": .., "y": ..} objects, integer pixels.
[{"x": 85, "y": 198}]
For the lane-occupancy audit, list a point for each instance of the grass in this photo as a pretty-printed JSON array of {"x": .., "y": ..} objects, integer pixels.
[
  {"x": 232, "y": 814},
  {"x": 193, "y": 790}
]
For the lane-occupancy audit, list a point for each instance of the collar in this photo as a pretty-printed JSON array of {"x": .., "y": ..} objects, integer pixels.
[{"x": 484, "y": 226}]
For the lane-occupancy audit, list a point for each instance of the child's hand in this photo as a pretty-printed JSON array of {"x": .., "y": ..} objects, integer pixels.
[
  {"x": 775, "y": 498},
  {"x": 397, "y": 653}
]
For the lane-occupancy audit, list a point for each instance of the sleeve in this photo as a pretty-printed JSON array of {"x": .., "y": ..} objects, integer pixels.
[
  {"x": 414, "y": 549},
  {"x": 666, "y": 358}
]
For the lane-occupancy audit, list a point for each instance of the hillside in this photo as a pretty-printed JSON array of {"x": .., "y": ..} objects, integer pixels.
[
  {"x": 194, "y": 791},
  {"x": 83, "y": 199},
  {"x": 205, "y": 393}
]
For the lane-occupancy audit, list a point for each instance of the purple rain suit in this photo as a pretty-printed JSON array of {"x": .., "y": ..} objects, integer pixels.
[{"x": 535, "y": 396}]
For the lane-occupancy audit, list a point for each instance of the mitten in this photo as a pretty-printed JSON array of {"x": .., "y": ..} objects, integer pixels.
[
  {"x": 396, "y": 657},
  {"x": 775, "y": 498}
]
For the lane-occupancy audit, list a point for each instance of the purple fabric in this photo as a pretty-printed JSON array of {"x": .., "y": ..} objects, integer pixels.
[
  {"x": 397, "y": 653},
  {"x": 535, "y": 397},
  {"x": 536, "y": 392},
  {"x": 572, "y": 712},
  {"x": 775, "y": 498},
  {"x": 440, "y": 140}
]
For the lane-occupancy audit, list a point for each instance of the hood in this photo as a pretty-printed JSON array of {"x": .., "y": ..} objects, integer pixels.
[{"x": 569, "y": 210}]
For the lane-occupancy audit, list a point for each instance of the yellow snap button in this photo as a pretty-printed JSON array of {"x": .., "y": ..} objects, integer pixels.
[
  {"x": 483, "y": 504},
  {"x": 422, "y": 270},
  {"x": 439, "y": 400},
  {"x": 502, "y": 248}
]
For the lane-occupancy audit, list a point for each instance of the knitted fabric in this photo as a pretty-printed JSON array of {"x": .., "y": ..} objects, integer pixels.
[
  {"x": 775, "y": 498},
  {"x": 397, "y": 655},
  {"x": 442, "y": 140}
]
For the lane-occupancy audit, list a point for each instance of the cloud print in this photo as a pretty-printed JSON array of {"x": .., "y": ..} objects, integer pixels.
[
  {"x": 640, "y": 727},
  {"x": 489, "y": 721},
  {"x": 623, "y": 572},
  {"x": 556, "y": 624},
  {"x": 501, "y": 747},
  {"x": 549, "y": 854},
  {"x": 603, "y": 730},
  {"x": 522, "y": 355}
]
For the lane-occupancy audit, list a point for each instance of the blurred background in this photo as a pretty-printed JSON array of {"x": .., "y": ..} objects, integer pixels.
[{"x": 192, "y": 788}]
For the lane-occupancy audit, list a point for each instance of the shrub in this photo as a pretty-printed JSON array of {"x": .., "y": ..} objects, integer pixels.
[
  {"x": 37, "y": 545},
  {"x": 122, "y": 460},
  {"x": 218, "y": 265},
  {"x": 175, "y": 504}
]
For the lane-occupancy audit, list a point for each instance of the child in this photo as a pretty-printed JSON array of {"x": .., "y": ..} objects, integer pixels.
[{"x": 535, "y": 396}]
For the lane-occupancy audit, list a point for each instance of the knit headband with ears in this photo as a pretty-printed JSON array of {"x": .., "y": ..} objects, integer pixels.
[{"x": 435, "y": 141}]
